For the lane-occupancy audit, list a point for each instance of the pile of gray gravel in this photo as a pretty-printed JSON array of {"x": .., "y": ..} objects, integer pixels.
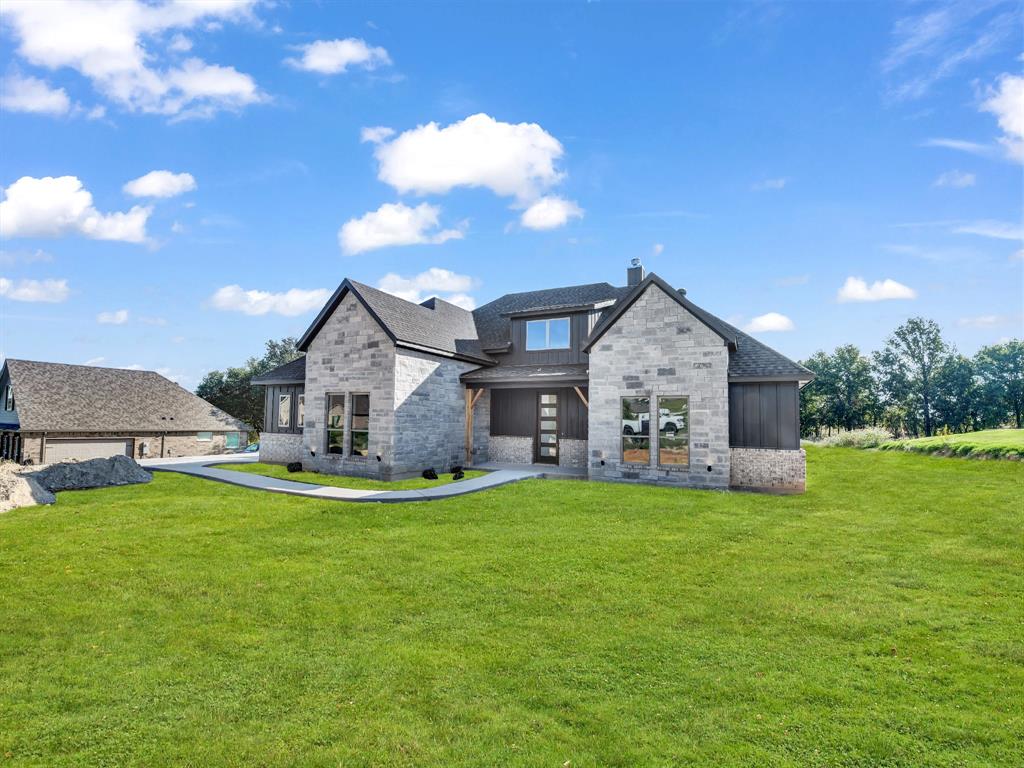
[{"x": 93, "y": 473}]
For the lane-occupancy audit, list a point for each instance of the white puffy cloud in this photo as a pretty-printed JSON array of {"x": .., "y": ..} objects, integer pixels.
[
  {"x": 999, "y": 230},
  {"x": 955, "y": 180},
  {"x": 50, "y": 291},
  {"x": 160, "y": 184},
  {"x": 770, "y": 184},
  {"x": 772, "y": 321},
  {"x": 376, "y": 134},
  {"x": 30, "y": 94},
  {"x": 54, "y": 207},
  {"x": 117, "y": 317},
  {"x": 550, "y": 212},
  {"x": 1006, "y": 102},
  {"x": 512, "y": 160},
  {"x": 657, "y": 249},
  {"x": 444, "y": 283},
  {"x": 330, "y": 57},
  {"x": 856, "y": 289},
  {"x": 394, "y": 224},
  {"x": 116, "y": 45},
  {"x": 296, "y": 301}
]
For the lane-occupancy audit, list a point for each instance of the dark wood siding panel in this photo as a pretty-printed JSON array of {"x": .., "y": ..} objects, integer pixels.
[
  {"x": 513, "y": 412},
  {"x": 764, "y": 415},
  {"x": 579, "y": 330},
  {"x": 572, "y": 415},
  {"x": 272, "y": 403}
]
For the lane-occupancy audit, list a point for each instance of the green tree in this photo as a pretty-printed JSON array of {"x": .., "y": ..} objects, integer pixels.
[
  {"x": 814, "y": 412},
  {"x": 956, "y": 395},
  {"x": 850, "y": 387},
  {"x": 232, "y": 390},
  {"x": 906, "y": 370},
  {"x": 1001, "y": 369}
]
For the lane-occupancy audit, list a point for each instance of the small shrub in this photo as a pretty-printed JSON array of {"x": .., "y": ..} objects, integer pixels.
[{"x": 869, "y": 437}]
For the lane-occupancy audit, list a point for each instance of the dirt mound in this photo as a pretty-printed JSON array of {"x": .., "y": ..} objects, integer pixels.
[{"x": 20, "y": 490}]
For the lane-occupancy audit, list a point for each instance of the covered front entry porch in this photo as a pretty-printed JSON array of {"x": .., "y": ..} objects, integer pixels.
[{"x": 536, "y": 415}]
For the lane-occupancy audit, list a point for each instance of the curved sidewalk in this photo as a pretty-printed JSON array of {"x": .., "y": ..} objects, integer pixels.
[{"x": 200, "y": 467}]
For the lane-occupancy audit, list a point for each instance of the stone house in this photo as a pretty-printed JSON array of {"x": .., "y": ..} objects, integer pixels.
[
  {"x": 51, "y": 412},
  {"x": 630, "y": 383}
]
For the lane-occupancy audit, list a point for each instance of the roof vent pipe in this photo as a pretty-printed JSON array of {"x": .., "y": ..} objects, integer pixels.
[{"x": 635, "y": 273}]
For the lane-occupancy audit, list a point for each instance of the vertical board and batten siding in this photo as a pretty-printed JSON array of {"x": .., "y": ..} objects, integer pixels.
[
  {"x": 272, "y": 403},
  {"x": 764, "y": 415},
  {"x": 514, "y": 413},
  {"x": 580, "y": 325}
]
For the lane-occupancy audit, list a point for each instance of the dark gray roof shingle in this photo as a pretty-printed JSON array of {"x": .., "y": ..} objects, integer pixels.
[
  {"x": 55, "y": 397},
  {"x": 435, "y": 324},
  {"x": 536, "y": 375},
  {"x": 492, "y": 319},
  {"x": 289, "y": 373}
]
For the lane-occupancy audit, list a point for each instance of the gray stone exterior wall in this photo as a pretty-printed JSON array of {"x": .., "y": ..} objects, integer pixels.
[
  {"x": 430, "y": 412},
  {"x": 510, "y": 450},
  {"x": 768, "y": 469},
  {"x": 572, "y": 453},
  {"x": 350, "y": 354},
  {"x": 281, "y": 448},
  {"x": 658, "y": 348}
]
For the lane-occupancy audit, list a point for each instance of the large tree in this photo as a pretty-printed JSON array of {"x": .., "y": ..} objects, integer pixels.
[
  {"x": 906, "y": 369},
  {"x": 956, "y": 395},
  {"x": 842, "y": 394},
  {"x": 1001, "y": 369},
  {"x": 231, "y": 389}
]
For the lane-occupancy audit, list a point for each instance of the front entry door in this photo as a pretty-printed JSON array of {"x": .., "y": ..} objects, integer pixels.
[{"x": 546, "y": 450}]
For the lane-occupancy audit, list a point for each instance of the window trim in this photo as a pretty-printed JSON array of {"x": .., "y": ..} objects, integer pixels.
[
  {"x": 327, "y": 424},
  {"x": 547, "y": 334},
  {"x": 352, "y": 430},
  {"x": 689, "y": 455},
  {"x": 287, "y": 412},
  {"x": 622, "y": 436}
]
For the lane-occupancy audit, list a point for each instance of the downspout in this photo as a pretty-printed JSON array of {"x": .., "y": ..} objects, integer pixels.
[
  {"x": 162, "y": 436},
  {"x": 42, "y": 449}
]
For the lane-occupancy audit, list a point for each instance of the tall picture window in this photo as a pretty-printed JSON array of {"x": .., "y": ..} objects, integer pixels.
[
  {"x": 674, "y": 431},
  {"x": 636, "y": 430},
  {"x": 302, "y": 412},
  {"x": 552, "y": 333},
  {"x": 284, "y": 411},
  {"x": 360, "y": 425},
  {"x": 336, "y": 424},
  {"x": 9, "y": 398}
]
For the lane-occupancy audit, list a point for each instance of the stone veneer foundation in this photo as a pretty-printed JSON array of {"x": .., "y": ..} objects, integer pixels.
[
  {"x": 768, "y": 469},
  {"x": 504, "y": 449},
  {"x": 280, "y": 448}
]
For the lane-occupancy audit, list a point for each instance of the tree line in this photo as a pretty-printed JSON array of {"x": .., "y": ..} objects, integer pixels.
[{"x": 918, "y": 384}]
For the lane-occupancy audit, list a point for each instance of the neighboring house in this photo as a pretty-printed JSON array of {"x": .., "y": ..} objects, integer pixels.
[
  {"x": 53, "y": 412},
  {"x": 574, "y": 376}
]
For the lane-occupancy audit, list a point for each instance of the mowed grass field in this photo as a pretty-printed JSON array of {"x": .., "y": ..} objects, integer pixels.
[
  {"x": 988, "y": 443},
  {"x": 874, "y": 621}
]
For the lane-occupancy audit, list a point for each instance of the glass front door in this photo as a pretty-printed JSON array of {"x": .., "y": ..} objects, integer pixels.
[{"x": 547, "y": 428}]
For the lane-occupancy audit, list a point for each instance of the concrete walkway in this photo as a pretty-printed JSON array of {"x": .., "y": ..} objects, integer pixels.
[{"x": 200, "y": 467}]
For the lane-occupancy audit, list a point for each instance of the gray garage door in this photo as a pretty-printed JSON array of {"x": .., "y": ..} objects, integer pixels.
[{"x": 87, "y": 448}]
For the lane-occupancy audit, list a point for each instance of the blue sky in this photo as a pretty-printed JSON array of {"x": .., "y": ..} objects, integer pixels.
[{"x": 814, "y": 172}]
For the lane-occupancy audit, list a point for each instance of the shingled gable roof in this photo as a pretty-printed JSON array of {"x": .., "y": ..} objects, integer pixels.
[
  {"x": 54, "y": 397},
  {"x": 435, "y": 326},
  {"x": 289, "y": 373},
  {"x": 493, "y": 320},
  {"x": 749, "y": 359}
]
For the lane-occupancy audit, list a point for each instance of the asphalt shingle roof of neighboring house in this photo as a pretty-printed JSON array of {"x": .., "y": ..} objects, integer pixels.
[
  {"x": 289, "y": 373},
  {"x": 433, "y": 325},
  {"x": 55, "y": 397}
]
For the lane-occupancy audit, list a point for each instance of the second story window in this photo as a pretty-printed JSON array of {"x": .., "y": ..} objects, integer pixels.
[
  {"x": 9, "y": 398},
  {"x": 552, "y": 333}
]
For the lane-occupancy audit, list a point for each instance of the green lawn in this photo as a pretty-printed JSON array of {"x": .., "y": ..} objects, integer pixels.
[
  {"x": 989, "y": 443},
  {"x": 355, "y": 483},
  {"x": 874, "y": 621}
]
